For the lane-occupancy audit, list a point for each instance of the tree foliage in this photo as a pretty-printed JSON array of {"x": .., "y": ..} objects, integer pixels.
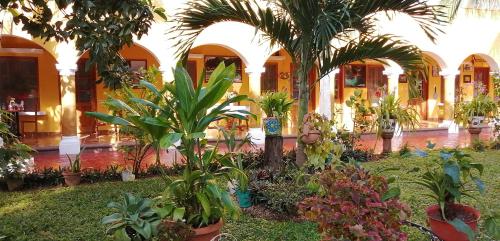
[{"x": 101, "y": 27}]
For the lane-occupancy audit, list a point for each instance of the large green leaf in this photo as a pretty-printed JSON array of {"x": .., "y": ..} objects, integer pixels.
[
  {"x": 109, "y": 118},
  {"x": 463, "y": 227},
  {"x": 169, "y": 139}
]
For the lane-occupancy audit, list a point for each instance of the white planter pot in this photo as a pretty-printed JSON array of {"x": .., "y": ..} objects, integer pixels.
[
  {"x": 128, "y": 176},
  {"x": 476, "y": 121},
  {"x": 389, "y": 125}
]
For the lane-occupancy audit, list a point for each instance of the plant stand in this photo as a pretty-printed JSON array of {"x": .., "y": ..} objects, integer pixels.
[
  {"x": 387, "y": 142},
  {"x": 474, "y": 133},
  {"x": 273, "y": 151}
]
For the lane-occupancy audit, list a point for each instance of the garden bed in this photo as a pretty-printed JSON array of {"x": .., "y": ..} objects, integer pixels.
[{"x": 75, "y": 213}]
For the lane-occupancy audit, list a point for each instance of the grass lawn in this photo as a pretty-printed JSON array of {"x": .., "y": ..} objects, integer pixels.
[{"x": 75, "y": 213}]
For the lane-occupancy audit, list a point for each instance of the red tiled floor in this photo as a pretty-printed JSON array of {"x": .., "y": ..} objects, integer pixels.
[{"x": 100, "y": 158}]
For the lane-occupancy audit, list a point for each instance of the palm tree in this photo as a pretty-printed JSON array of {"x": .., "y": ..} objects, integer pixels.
[
  {"x": 327, "y": 33},
  {"x": 454, "y": 5}
]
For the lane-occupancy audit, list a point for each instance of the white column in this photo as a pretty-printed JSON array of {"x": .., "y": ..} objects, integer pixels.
[
  {"x": 325, "y": 101},
  {"x": 393, "y": 74},
  {"x": 70, "y": 142},
  {"x": 254, "y": 75},
  {"x": 449, "y": 96}
]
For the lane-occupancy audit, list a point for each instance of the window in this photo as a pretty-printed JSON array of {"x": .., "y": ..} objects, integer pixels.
[{"x": 19, "y": 80}]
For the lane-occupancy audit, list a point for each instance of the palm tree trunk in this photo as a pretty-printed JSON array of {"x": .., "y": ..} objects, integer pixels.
[{"x": 303, "y": 109}]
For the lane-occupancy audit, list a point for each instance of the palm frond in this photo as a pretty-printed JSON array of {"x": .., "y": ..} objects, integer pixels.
[
  {"x": 429, "y": 17},
  {"x": 376, "y": 48},
  {"x": 199, "y": 15}
]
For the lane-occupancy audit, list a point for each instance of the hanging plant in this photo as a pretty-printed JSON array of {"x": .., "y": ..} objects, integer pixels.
[{"x": 323, "y": 151}]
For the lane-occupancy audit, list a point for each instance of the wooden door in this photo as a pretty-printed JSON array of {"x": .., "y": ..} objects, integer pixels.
[
  {"x": 191, "y": 69},
  {"x": 85, "y": 83},
  {"x": 376, "y": 82},
  {"x": 482, "y": 75},
  {"x": 269, "y": 79}
]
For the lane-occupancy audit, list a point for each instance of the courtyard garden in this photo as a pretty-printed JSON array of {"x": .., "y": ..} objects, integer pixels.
[
  {"x": 326, "y": 188},
  {"x": 75, "y": 213}
]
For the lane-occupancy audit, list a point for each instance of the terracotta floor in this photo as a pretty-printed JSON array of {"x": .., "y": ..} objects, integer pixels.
[{"x": 100, "y": 158}]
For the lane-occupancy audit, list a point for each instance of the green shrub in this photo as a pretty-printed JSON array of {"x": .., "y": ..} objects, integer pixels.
[
  {"x": 478, "y": 145},
  {"x": 280, "y": 197}
]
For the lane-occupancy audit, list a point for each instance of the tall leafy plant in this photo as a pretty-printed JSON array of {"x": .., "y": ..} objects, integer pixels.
[
  {"x": 195, "y": 198},
  {"x": 307, "y": 28},
  {"x": 135, "y": 110}
]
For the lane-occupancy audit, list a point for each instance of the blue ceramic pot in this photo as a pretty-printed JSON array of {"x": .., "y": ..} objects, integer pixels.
[{"x": 272, "y": 126}]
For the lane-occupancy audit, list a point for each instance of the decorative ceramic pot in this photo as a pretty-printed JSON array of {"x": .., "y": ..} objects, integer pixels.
[
  {"x": 389, "y": 125},
  {"x": 476, "y": 121},
  {"x": 72, "y": 179},
  {"x": 272, "y": 126},
  {"x": 207, "y": 233},
  {"x": 14, "y": 184},
  {"x": 311, "y": 137},
  {"x": 446, "y": 231},
  {"x": 127, "y": 176},
  {"x": 244, "y": 199}
]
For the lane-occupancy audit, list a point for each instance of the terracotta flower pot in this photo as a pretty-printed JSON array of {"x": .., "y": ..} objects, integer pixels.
[
  {"x": 207, "y": 233},
  {"x": 311, "y": 137},
  {"x": 72, "y": 179},
  {"x": 14, "y": 184},
  {"x": 446, "y": 231}
]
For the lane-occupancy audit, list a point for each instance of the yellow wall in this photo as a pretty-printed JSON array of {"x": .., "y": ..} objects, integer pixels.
[
  {"x": 468, "y": 88},
  {"x": 48, "y": 87}
]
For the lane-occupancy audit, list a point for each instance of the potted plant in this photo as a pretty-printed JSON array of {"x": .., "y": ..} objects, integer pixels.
[
  {"x": 181, "y": 112},
  {"x": 14, "y": 160},
  {"x": 388, "y": 115},
  {"x": 239, "y": 182},
  {"x": 472, "y": 114},
  {"x": 354, "y": 204},
  {"x": 317, "y": 135},
  {"x": 73, "y": 173},
  {"x": 450, "y": 179},
  {"x": 277, "y": 107},
  {"x": 14, "y": 155}
]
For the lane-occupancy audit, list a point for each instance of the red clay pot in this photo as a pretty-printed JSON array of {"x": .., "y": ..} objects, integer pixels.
[
  {"x": 207, "y": 233},
  {"x": 446, "y": 231},
  {"x": 72, "y": 179}
]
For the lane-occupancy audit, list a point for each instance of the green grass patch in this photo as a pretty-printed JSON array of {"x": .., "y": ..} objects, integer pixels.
[{"x": 73, "y": 214}]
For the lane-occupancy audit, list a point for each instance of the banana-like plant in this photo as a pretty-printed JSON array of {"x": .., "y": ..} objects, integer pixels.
[{"x": 195, "y": 198}]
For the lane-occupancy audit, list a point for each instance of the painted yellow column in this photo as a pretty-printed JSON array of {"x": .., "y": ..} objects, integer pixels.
[
  {"x": 70, "y": 142},
  {"x": 449, "y": 97}
]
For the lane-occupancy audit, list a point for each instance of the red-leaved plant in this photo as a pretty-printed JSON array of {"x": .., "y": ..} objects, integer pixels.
[{"x": 353, "y": 207}]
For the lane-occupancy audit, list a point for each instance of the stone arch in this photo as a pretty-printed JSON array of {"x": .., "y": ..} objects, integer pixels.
[
  {"x": 494, "y": 66},
  {"x": 440, "y": 61},
  {"x": 49, "y": 47}
]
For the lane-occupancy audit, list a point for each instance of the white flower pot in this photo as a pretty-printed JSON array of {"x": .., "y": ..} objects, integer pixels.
[
  {"x": 389, "y": 125},
  {"x": 476, "y": 121},
  {"x": 127, "y": 176}
]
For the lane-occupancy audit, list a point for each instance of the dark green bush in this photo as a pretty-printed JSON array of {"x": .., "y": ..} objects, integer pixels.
[
  {"x": 280, "y": 197},
  {"x": 356, "y": 154},
  {"x": 478, "y": 145}
]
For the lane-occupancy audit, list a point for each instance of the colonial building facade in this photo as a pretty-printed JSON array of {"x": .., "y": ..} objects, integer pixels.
[{"x": 50, "y": 78}]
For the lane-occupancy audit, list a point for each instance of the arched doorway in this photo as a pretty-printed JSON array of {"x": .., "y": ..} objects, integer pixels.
[
  {"x": 28, "y": 73},
  {"x": 90, "y": 96},
  {"x": 474, "y": 78}
]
